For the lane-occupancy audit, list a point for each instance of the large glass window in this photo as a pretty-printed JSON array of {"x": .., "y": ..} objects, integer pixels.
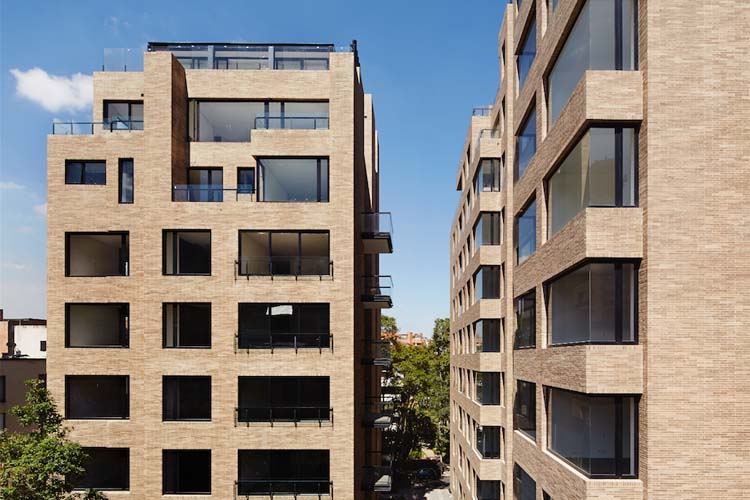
[
  {"x": 283, "y": 472},
  {"x": 187, "y": 252},
  {"x": 186, "y": 472},
  {"x": 489, "y": 175},
  {"x": 187, "y": 324},
  {"x": 488, "y": 387},
  {"x": 293, "y": 179},
  {"x": 85, "y": 172},
  {"x": 123, "y": 115},
  {"x": 597, "y": 434},
  {"x": 279, "y": 399},
  {"x": 292, "y": 253},
  {"x": 600, "y": 171},
  {"x": 604, "y": 37},
  {"x": 97, "y": 397},
  {"x": 269, "y": 326},
  {"x": 97, "y": 325},
  {"x": 487, "y": 335},
  {"x": 595, "y": 303},
  {"x": 525, "y": 233},
  {"x": 525, "y": 321},
  {"x": 205, "y": 184},
  {"x": 488, "y": 283},
  {"x": 489, "y": 439},
  {"x": 96, "y": 254},
  {"x": 125, "y": 185},
  {"x": 525, "y": 143},
  {"x": 524, "y": 486},
  {"x": 186, "y": 398},
  {"x": 488, "y": 229},
  {"x": 525, "y": 57},
  {"x": 524, "y": 408},
  {"x": 105, "y": 469}
]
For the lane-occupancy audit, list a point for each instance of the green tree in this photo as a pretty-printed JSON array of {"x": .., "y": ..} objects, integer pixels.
[
  {"x": 388, "y": 325},
  {"x": 36, "y": 465}
]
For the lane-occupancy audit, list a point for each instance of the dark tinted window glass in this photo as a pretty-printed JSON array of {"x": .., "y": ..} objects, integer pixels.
[
  {"x": 97, "y": 397},
  {"x": 187, "y": 252},
  {"x": 186, "y": 471},
  {"x": 97, "y": 325},
  {"x": 526, "y": 233},
  {"x": 186, "y": 398},
  {"x": 526, "y": 143},
  {"x": 126, "y": 181},
  {"x": 106, "y": 469},
  {"x": 488, "y": 441},
  {"x": 246, "y": 180},
  {"x": 525, "y": 321},
  {"x": 524, "y": 487},
  {"x": 85, "y": 172},
  {"x": 524, "y": 411},
  {"x": 187, "y": 324},
  {"x": 527, "y": 54}
]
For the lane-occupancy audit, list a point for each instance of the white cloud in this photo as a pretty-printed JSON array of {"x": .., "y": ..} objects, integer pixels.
[
  {"x": 15, "y": 266},
  {"x": 55, "y": 93},
  {"x": 41, "y": 209},
  {"x": 10, "y": 185}
]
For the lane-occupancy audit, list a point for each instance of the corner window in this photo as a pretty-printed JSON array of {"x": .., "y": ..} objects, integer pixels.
[
  {"x": 487, "y": 335},
  {"x": 186, "y": 472},
  {"x": 97, "y": 325},
  {"x": 187, "y": 325},
  {"x": 488, "y": 283},
  {"x": 600, "y": 171},
  {"x": 525, "y": 321},
  {"x": 125, "y": 178},
  {"x": 187, "y": 252},
  {"x": 525, "y": 143},
  {"x": 95, "y": 397},
  {"x": 525, "y": 57},
  {"x": 86, "y": 172},
  {"x": 96, "y": 254},
  {"x": 488, "y": 229},
  {"x": 489, "y": 175},
  {"x": 604, "y": 37},
  {"x": 525, "y": 233},
  {"x": 488, "y": 388},
  {"x": 293, "y": 179},
  {"x": 594, "y": 304},
  {"x": 596, "y": 434},
  {"x": 489, "y": 439},
  {"x": 524, "y": 408},
  {"x": 107, "y": 469},
  {"x": 524, "y": 486},
  {"x": 186, "y": 398}
]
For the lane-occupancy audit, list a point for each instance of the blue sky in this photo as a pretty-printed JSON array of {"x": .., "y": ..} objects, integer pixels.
[{"x": 426, "y": 62}]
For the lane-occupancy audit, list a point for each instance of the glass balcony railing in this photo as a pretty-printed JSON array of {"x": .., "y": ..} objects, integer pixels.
[
  {"x": 90, "y": 128},
  {"x": 379, "y": 412},
  {"x": 281, "y": 487},
  {"x": 291, "y": 122},
  {"x": 378, "y": 352},
  {"x": 377, "y": 231},
  {"x": 280, "y": 414},
  {"x": 211, "y": 193},
  {"x": 376, "y": 292},
  {"x": 481, "y": 111}
]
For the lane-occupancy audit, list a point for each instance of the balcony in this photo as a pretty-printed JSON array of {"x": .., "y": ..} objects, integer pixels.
[
  {"x": 481, "y": 111},
  {"x": 292, "y": 473},
  {"x": 377, "y": 352},
  {"x": 284, "y": 253},
  {"x": 377, "y": 228},
  {"x": 377, "y": 292},
  {"x": 279, "y": 400},
  {"x": 379, "y": 412},
  {"x": 280, "y": 122},
  {"x": 283, "y": 487},
  {"x": 377, "y": 476},
  {"x": 234, "y": 56},
  {"x": 274, "y": 415},
  {"x": 488, "y": 143},
  {"x": 91, "y": 128}
]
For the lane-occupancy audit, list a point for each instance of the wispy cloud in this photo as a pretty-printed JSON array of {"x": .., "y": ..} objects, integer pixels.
[
  {"x": 55, "y": 93},
  {"x": 41, "y": 209},
  {"x": 116, "y": 24},
  {"x": 15, "y": 266},
  {"x": 11, "y": 186}
]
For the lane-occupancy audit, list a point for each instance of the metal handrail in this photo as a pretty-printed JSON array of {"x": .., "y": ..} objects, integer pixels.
[
  {"x": 294, "y": 414},
  {"x": 188, "y": 189},
  {"x": 284, "y": 265},
  {"x": 88, "y": 128},
  {"x": 373, "y": 223},
  {"x": 295, "y": 344},
  {"x": 373, "y": 284},
  {"x": 265, "y": 122},
  {"x": 481, "y": 111},
  {"x": 295, "y": 487}
]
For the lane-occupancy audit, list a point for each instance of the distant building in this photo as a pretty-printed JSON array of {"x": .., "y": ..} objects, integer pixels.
[
  {"x": 24, "y": 344},
  {"x": 412, "y": 338}
]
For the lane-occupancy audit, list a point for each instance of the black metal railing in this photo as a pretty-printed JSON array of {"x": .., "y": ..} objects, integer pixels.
[
  {"x": 252, "y": 340},
  {"x": 378, "y": 352},
  {"x": 292, "y": 487},
  {"x": 377, "y": 285},
  {"x": 284, "y": 122},
  {"x": 481, "y": 111},
  {"x": 280, "y": 414},
  {"x": 207, "y": 192},
  {"x": 379, "y": 412},
  {"x": 283, "y": 265},
  {"x": 89, "y": 128}
]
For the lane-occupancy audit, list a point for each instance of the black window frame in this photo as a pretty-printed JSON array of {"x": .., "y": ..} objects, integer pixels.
[
  {"x": 270, "y": 233},
  {"x": 253, "y": 187},
  {"x": 120, "y": 164},
  {"x": 127, "y": 463},
  {"x": 260, "y": 193},
  {"x": 530, "y": 419},
  {"x": 181, "y": 379},
  {"x": 531, "y": 110},
  {"x": 3, "y": 388},
  {"x": 496, "y": 222},
  {"x": 174, "y": 251},
  {"x": 129, "y": 102},
  {"x": 619, "y": 419},
  {"x": 165, "y": 326},
  {"x": 518, "y": 477},
  {"x": 82, "y": 177},
  {"x": 124, "y": 332},
  {"x": 480, "y": 441},
  {"x": 517, "y": 232},
  {"x": 496, "y": 272},
  {"x": 126, "y": 398},
  {"x": 124, "y": 259},
  {"x": 176, "y": 452},
  {"x": 296, "y": 308},
  {"x": 531, "y": 24},
  {"x": 529, "y": 295}
]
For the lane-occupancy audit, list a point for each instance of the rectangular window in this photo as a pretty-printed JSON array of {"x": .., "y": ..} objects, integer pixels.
[
  {"x": 489, "y": 175},
  {"x": 187, "y": 325},
  {"x": 123, "y": 115},
  {"x": 274, "y": 326},
  {"x": 597, "y": 434},
  {"x": 487, "y": 335},
  {"x": 286, "y": 253},
  {"x": 97, "y": 325},
  {"x": 489, "y": 441},
  {"x": 524, "y": 408},
  {"x": 205, "y": 184},
  {"x": 525, "y": 143},
  {"x": 125, "y": 185},
  {"x": 525, "y": 233},
  {"x": 488, "y": 229},
  {"x": 2, "y": 388},
  {"x": 293, "y": 179},
  {"x": 186, "y": 398},
  {"x": 488, "y": 387},
  {"x": 525, "y": 321},
  {"x": 524, "y": 487},
  {"x": 489, "y": 490},
  {"x": 43, "y": 345},
  {"x": 284, "y": 399},
  {"x": 487, "y": 282},
  {"x": 93, "y": 397},
  {"x": 525, "y": 57},
  {"x": 187, "y": 252},
  {"x": 96, "y": 254},
  {"x": 92, "y": 172},
  {"x": 600, "y": 171},
  {"x": 106, "y": 469},
  {"x": 604, "y": 37},
  {"x": 186, "y": 472},
  {"x": 246, "y": 180},
  {"x": 594, "y": 304},
  {"x": 3, "y": 426},
  {"x": 283, "y": 472}
]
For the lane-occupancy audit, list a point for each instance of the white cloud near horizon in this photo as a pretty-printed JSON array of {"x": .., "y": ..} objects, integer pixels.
[
  {"x": 11, "y": 186},
  {"x": 15, "y": 266},
  {"x": 55, "y": 93},
  {"x": 41, "y": 209}
]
